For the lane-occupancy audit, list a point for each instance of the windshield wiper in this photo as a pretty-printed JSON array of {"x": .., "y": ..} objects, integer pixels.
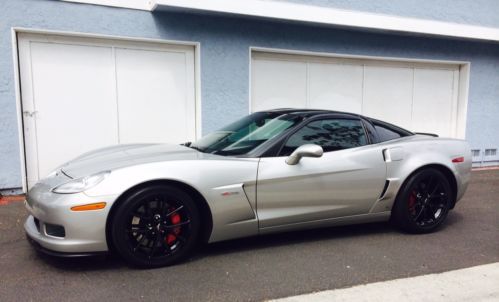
[
  {"x": 195, "y": 148},
  {"x": 189, "y": 144}
]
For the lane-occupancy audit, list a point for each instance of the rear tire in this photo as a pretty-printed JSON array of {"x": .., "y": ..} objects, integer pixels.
[
  {"x": 423, "y": 202},
  {"x": 155, "y": 226}
]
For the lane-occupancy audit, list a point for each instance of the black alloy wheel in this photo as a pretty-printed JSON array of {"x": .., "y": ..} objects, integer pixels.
[
  {"x": 424, "y": 202},
  {"x": 155, "y": 226}
]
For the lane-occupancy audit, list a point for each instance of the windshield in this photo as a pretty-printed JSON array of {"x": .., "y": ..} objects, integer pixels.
[{"x": 246, "y": 134}]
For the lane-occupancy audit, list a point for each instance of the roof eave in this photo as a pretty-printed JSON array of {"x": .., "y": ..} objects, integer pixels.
[{"x": 331, "y": 16}]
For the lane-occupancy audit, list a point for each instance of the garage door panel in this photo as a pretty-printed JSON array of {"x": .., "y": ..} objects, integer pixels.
[
  {"x": 80, "y": 94},
  {"x": 433, "y": 101},
  {"x": 388, "y": 94},
  {"x": 278, "y": 84},
  {"x": 335, "y": 87},
  {"x": 154, "y": 103},
  {"x": 419, "y": 96},
  {"x": 72, "y": 81}
]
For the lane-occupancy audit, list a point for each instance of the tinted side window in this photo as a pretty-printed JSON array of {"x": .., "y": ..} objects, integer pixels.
[
  {"x": 330, "y": 134},
  {"x": 385, "y": 134}
]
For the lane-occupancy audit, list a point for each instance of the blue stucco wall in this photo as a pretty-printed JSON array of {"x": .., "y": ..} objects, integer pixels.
[
  {"x": 476, "y": 12},
  {"x": 225, "y": 46}
]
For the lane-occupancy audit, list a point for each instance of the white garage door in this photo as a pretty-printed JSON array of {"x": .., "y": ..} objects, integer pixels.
[
  {"x": 80, "y": 94},
  {"x": 420, "y": 97}
]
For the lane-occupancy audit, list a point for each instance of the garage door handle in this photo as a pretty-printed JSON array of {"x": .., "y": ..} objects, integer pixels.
[{"x": 30, "y": 113}]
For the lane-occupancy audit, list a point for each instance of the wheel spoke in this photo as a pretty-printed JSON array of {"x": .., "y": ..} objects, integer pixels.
[
  {"x": 138, "y": 230},
  {"x": 174, "y": 211},
  {"x": 416, "y": 218},
  {"x": 427, "y": 214},
  {"x": 154, "y": 245},
  {"x": 177, "y": 225},
  {"x": 147, "y": 207},
  {"x": 163, "y": 206},
  {"x": 140, "y": 215},
  {"x": 166, "y": 247},
  {"x": 426, "y": 186},
  {"x": 165, "y": 198},
  {"x": 437, "y": 195},
  {"x": 435, "y": 189},
  {"x": 181, "y": 238},
  {"x": 141, "y": 240}
]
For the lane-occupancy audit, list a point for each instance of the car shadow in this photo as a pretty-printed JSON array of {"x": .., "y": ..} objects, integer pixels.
[
  {"x": 295, "y": 237},
  {"x": 113, "y": 262},
  {"x": 101, "y": 262}
]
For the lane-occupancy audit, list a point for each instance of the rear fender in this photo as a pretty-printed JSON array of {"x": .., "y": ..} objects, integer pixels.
[{"x": 416, "y": 155}]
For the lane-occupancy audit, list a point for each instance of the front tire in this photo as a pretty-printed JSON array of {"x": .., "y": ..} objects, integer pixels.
[
  {"x": 155, "y": 226},
  {"x": 423, "y": 202}
]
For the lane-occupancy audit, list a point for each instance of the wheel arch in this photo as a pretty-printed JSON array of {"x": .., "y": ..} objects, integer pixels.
[
  {"x": 204, "y": 209},
  {"x": 444, "y": 170}
]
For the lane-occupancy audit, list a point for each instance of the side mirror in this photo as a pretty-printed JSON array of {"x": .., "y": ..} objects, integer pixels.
[{"x": 308, "y": 150}]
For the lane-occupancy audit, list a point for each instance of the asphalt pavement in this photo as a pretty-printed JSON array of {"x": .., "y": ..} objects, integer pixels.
[{"x": 260, "y": 268}]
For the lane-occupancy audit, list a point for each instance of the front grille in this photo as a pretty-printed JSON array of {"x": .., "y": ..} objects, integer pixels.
[
  {"x": 55, "y": 230},
  {"x": 37, "y": 224}
]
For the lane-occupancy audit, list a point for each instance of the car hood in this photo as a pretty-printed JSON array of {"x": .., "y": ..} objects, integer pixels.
[{"x": 120, "y": 156}]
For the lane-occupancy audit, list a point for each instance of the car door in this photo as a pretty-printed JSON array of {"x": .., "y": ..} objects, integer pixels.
[{"x": 345, "y": 181}]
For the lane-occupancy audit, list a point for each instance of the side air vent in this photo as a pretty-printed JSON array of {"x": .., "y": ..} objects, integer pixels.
[{"x": 387, "y": 182}]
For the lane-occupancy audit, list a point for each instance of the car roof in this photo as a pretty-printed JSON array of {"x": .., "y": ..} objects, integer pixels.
[{"x": 307, "y": 113}]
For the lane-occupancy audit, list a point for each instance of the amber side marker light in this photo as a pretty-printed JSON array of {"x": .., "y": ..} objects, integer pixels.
[
  {"x": 458, "y": 159},
  {"x": 89, "y": 207}
]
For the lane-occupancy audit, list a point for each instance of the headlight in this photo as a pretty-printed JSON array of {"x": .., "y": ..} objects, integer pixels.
[{"x": 81, "y": 184}]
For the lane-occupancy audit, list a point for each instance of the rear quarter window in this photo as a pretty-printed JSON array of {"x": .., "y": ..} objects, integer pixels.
[{"x": 385, "y": 134}]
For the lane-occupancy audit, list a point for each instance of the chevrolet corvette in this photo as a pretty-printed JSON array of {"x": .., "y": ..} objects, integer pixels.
[{"x": 274, "y": 171}]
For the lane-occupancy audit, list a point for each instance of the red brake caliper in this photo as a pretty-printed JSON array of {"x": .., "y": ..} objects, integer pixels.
[
  {"x": 172, "y": 237},
  {"x": 412, "y": 202}
]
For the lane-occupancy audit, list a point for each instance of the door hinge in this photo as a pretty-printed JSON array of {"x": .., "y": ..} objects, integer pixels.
[{"x": 30, "y": 113}]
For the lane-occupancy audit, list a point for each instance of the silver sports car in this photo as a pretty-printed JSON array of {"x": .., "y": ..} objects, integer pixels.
[{"x": 268, "y": 172}]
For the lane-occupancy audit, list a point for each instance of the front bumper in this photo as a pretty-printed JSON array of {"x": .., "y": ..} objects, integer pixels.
[
  {"x": 84, "y": 232},
  {"x": 37, "y": 246}
]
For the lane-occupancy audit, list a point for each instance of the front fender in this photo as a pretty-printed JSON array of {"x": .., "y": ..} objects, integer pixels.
[{"x": 226, "y": 185}]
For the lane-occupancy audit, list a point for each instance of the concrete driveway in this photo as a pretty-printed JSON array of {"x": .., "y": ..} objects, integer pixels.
[{"x": 260, "y": 268}]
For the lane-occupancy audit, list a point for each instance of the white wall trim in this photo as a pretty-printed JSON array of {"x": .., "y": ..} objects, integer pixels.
[
  {"x": 350, "y": 56},
  {"x": 462, "y": 99},
  {"x": 333, "y": 16},
  {"x": 313, "y": 14},
  {"x": 146, "y": 5},
  {"x": 197, "y": 89},
  {"x": 19, "y": 110},
  {"x": 17, "y": 79}
]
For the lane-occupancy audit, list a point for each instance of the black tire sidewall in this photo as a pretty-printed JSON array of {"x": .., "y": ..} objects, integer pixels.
[
  {"x": 401, "y": 214},
  {"x": 119, "y": 223}
]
